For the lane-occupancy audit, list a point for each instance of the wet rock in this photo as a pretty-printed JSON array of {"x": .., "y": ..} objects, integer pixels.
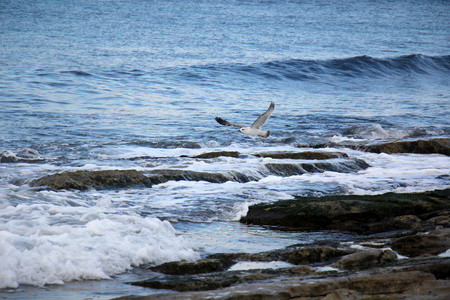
[
  {"x": 362, "y": 214},
  {"x": 401, "y": 222},
  {"x": 440, "y": 146},
  {"x": 388, "y": 283},
  {"x": 164, "y": 175},
  {"x": 190, "y": 268},
  {"x": 304, "y": 155},
  {"x": 420, "y": 244},
  {"x": 439, "y": 267},
  {"x": 25, "y": 156},
  {"x": 365, "y": 259},
  {"x": 295, "y": 255},
  {"x": 381, "y": 285},
  {"x": 190, "y": 283},
  {"x": 282, "y": 169},
  {"x": 218, "y": 154},
  {"x": 84, "y": 180},
  {"x": 308, "y": 255}
]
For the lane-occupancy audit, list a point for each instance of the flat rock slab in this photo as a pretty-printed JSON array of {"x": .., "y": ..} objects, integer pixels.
[
  {"x": 84, "y": 180},
  {"x": 438, "y": 146},
  {"x": 304, "y": 155},
  {"x": 114, "y": 179},
  {"x": 362, "y": 214}
]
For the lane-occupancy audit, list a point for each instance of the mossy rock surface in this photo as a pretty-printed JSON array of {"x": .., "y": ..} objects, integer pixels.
[{"x": 351, "y": 213}]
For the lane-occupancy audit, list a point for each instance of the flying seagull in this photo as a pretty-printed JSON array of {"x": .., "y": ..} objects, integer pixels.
[{"x": 255, "y": 129}]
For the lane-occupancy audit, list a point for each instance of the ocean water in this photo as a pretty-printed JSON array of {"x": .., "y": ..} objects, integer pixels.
[{"x": 97, "y": 85}]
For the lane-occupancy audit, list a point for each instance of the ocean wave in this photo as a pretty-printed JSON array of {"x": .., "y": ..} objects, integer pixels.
[
  {"x": 50, "y": 244},
  {"x": 304, "y": 70}
]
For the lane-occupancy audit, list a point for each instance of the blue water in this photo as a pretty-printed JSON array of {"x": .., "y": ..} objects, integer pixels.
[{"x": 90, "y": 84}]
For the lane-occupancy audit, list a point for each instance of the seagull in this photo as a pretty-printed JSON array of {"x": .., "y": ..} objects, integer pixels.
[{"x": 255, "y": 129}]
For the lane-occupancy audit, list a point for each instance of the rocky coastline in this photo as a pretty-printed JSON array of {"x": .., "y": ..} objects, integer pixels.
[
  {"x": 400, "y": 246},
  {"x": 401, "y": 253}
]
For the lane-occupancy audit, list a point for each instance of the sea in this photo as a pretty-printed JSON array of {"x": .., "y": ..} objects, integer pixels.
[{"x": 137, "y": 84}]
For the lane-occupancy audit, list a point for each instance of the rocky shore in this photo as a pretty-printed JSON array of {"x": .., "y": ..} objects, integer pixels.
[
  {"x": 399, "y": 251},
  {"x": 399, "y": 247}
]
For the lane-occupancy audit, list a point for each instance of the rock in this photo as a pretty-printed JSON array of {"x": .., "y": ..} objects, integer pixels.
[
  {"x": 296, "y": 255},
  {"x": 218, "y": 154},
  {"x": 84, "y": 180},
  {"x": 290, "y": 169},
  {"x": 164, "y": 175},
  {"x": 439, "y": 267},
  {"x": 25, "y": 156},
  {"x": 440, "y": 146},
  {"x": 420, "y": 244},
  {"x": 382, "y": 285},
  {"x": 189, "y": 283},
  {"x": 365, "y": 259},
  {"x": 362, "y": 214},
  {"x": 388, "y": 283},
  {"x": 341, "y": 294},
  {"x": 401, "y": 222},
  {"x": 308, "y": 255},
  {"x": 304, "y": 155},
  {"x": 190, "y": 268}
]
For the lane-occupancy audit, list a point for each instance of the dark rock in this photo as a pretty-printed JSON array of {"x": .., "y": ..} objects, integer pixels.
[
  {"x": 190, "y": 268},
  {"x": 309, "y": 255},
  {"x": 25, "y": 156},
  {"x": 190, "y": 283},
  {"x": 388, "y": 283},
  {"x": 84, "y": 180},
  {"x": 164, "y": 175},
  {"x": 304, "y": 155},
  {"x": 439, "y": 267},
  {"x": 432, "y": 244},
  {"x": 365, "y": 259},
  {"x": 440, "y": 146},
  {"x": 290, "y": 169},
  {"x": 361, "y": 214},
  {"x": 295, "y": 255},
  {"x": 401, "y": 222},
  {"x": 218, "y": 154}
]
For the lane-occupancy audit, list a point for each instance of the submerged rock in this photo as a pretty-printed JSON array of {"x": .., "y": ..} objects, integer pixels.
[
  {"x": 190, "y": 268},
  {"x": 25, "y": 156},
  {"x": 304, "y": 155},
  {"x": 84, "y": 180},
  {"x": 164, "y": 175},
  {"x": 364, "y": 214},
  {"x": 290, "y": 169},
  {"x": 107, "y": 179},
  {"x": 440, "y": 146},
  {"x": 218, "y": 154}
]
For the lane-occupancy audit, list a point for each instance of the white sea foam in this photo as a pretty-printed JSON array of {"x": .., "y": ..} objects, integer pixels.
[
  {"x": 445, "y": 254},
  {"x": 252, "y": 265},
  {"x": 49, "y": 244}
]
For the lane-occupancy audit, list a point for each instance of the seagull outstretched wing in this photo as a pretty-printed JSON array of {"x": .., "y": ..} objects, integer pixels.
[
  {"x": 263, "y": 118},
  {"x": 226, "y": 123}
]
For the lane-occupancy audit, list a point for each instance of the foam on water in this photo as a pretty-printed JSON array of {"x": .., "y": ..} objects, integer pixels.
[
  {"x": 391, "y": 173},
  {"x": 51, "y": 244}
]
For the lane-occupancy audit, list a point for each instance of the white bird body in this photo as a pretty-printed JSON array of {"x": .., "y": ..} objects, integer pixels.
[{"x": 255, "y": 129}]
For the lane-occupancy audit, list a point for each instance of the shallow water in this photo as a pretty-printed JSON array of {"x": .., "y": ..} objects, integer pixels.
[{"x": 137, "y": 85}]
